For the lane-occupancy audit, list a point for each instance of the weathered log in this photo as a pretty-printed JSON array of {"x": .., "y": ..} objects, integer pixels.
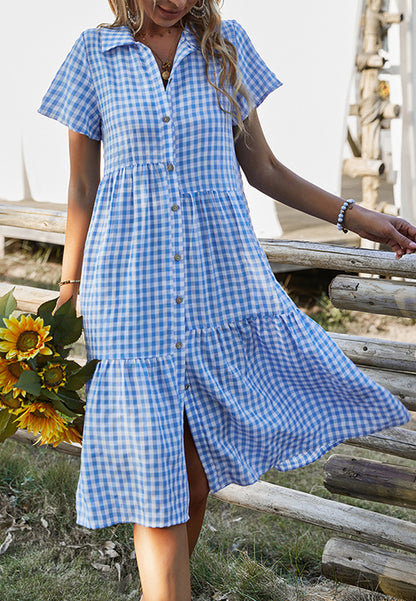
[
  {"x": 368, "y": 60},
  {"x": 23, "y": 233},
  {"x": 29, "y": 298},
  {"x": 391, "y": 18},
  {"x": 29, "y": 438},
  {"x": 388, "y": 209},
  {"x": 402, "y": 385},
  {"x": 384, "y": 297},
  {"x": 338, "y": 258},
  {"x": 377, "y": 352},
  {"x": 390, "y": 111},
  {"x": 358, "y": 167},
  {"x": 339, "y": 517},
  {"x": 362, "y": 565},
  {"x": 371, "y": 480},
  {"x": 399, "y": 442},
  {"x": 33, "y": 218}
]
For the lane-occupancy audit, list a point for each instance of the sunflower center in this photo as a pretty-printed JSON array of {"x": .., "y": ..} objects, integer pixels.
[
  {"x": 15, "y": 369},
  {"x": 54, "y": 376},
  {"x": 27, "y": 341}
]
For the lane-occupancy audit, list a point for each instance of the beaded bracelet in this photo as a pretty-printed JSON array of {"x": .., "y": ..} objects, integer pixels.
[
  {"x": 69, "y": 282},
  {"x": 347, "y": 205}
]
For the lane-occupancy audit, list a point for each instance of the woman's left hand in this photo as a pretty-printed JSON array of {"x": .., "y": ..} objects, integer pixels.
[{"x": 378, "y": 227}]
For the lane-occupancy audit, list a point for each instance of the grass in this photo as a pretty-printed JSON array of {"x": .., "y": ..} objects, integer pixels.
[{"x": 242, "y": 555}]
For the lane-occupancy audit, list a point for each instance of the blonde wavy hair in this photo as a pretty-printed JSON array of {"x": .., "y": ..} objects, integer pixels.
[{"x": 214, "y": 47}]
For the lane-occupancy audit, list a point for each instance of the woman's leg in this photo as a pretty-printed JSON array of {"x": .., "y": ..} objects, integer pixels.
[
  {"x": 198, "y": 488},
  {"x": 163, "y": 553},
  {"x": 163, "y": 560}
]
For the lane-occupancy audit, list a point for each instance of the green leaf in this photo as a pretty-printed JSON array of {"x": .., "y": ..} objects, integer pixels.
[
  {"x": 79, "y": 378},
  {"x": 8, "y": 425},
  {"x": 4, "y": 418},
  {"x": 47, "y": 307},
  {"x": 67, "y": 331},
  {"x": 71, "y": 367},
  {"x": 45, "y": 313},
  {"x": 66, "y": 310},
  {"x": 29, "y": 381},
  {"x": 64, "y": 352},
  {"x": 49, "y": 394},
  {"x": 60, "y": 406},
  {"x": 7, "y": 304},
  {"x": 72, "y": 400}
]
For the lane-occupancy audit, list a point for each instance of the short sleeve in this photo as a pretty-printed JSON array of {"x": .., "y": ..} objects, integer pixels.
[
  {"x": 259, "y": 81},
  {"x": 71, "y": 97}
]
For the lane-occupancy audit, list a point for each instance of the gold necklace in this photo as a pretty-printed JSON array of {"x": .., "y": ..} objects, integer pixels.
[{"x": 166, "y": 65}]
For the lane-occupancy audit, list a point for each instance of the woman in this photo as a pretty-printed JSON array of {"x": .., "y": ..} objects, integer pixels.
[{"x": 208, "y": 373}]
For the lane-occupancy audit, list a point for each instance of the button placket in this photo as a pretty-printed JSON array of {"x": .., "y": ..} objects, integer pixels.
[{"x": 176, "y": 246}]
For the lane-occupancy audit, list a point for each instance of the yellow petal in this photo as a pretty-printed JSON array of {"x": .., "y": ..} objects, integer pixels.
[
  {"x": 45, "y": 351},
  {"x": 11, "y": 323},
  {"x": 8, "y": 335}
]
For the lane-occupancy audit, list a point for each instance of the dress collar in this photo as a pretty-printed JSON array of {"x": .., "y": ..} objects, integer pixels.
[{"x": 122, "y": 36}]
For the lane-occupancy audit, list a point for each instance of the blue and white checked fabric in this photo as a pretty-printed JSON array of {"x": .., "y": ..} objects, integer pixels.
[{"x": 178, "y": 298}]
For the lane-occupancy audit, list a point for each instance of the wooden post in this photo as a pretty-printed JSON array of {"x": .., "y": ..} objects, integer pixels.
[
  {"x": 370, "y": 129},
  {"x": 373, "y": 107},
  {"x": 366, "y": 566}
]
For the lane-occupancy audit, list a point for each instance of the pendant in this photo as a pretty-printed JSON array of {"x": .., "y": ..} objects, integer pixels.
[{"x": 166, "y": 67}]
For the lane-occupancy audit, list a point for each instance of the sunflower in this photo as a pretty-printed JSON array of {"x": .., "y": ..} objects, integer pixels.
[
  {"x": 41, "y": 418},
  {"x": 11, "y": 403},
  {"x": 24, "y": 338},
  {"x": 70, "y": 435},
  {"x": 53, "y": 376},
  {"x": 9, "y": 374}
]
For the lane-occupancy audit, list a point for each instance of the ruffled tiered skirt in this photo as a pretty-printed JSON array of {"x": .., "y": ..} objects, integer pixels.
[{"x": 185, "y": 314}]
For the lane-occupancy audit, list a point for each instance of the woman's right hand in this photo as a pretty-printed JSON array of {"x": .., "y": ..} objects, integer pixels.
[{"x": 67, "y": 291}]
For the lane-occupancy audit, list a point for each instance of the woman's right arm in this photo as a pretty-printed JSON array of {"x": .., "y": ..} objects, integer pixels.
[{"x": 84, "y": 155}]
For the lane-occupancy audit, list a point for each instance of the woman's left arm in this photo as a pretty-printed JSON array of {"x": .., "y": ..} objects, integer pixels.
[{"x": 267, "y": 174}]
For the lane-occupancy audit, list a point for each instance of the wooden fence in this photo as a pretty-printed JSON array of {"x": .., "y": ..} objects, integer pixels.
[{"x": 393, "y": 364}]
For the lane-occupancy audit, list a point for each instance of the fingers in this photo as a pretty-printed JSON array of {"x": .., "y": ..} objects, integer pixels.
[{"x": 403, "y": 239}]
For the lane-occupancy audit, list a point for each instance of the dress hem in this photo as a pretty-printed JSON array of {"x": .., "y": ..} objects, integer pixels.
[
  {"x": 146, "y": 523},
  {"x": 317, "y": 454}
]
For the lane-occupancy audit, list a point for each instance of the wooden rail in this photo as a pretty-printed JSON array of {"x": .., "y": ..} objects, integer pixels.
[
  {"x": 385, "y": 297},
  {"x": 363, "y": 565},
  {"x": 339, "y": 517},
  {"x": 339, "y": 258},
  {"x": 306, "y": 254}
]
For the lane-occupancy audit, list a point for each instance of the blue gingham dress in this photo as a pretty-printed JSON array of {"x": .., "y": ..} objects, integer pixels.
[{"x": 178, "y": 298}]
